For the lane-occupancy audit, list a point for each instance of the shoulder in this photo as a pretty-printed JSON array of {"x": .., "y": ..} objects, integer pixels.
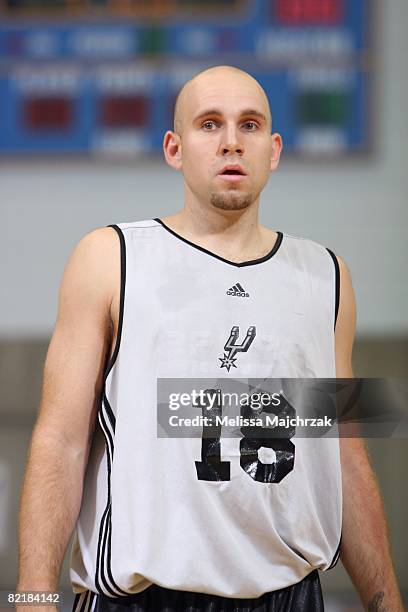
[
  {"x": 303, "y": 243},
  {"x": 102, "y": 245},
  {"x": 308, "y": 245},
  {"x": 96, "y": 249},
  {"x": 143, "y": 225},
  {"x": 314, "y": 257},
  {"x": 307, "y": 248},
  {"x": 96, "y": 239},
  {"x": 92, "y": 269},
  {"x": 98, "y": 257}
]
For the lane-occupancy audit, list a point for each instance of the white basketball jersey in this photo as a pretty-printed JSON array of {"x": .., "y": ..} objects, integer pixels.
[{"x": 147, "y": 516}]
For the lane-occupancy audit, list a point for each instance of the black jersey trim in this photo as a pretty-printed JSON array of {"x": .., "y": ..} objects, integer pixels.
[
  {"x": 99, "y": 571},
  {"x": 104, "y": 580},
  {"x": 336, "y": 557},
  {"x": 122, "y": 298},
  {"x": 251, "y": 262},
  {"x": 109, "y": 411},
  {"x": 337, "y": 285}
]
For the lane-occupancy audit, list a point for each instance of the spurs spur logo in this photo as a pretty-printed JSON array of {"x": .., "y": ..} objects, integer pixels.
[{"x": 231, "y": 347}]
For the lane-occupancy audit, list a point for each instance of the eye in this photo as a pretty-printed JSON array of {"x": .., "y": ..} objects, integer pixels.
[
  {"x": 251, "y": 126},
  {"x": 209, "y": 125}
]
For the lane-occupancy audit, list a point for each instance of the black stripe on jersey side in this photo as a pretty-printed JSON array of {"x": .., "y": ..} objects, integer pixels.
[
  {"x": 106, "y": 543},
  {"x": 109, "y": 411},
  {"x": 112, "y": 588},
  {"x": 107, "y": 433},
  {"x": 252, "y": 262},
  {"x": 107, "y": 547},
  {"x": 336, "y": 557},
  {"x": 102, "y": 527},
  {"x": 337, "y": 288},
  {"x": 122, "y": 298},
  {"x": 105, "y": 527}
]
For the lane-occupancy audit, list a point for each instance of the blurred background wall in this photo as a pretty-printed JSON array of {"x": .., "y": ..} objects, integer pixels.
[{"x": 351, "y": 201}]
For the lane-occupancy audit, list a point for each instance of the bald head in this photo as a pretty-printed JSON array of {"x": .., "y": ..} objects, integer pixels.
[{"x": 214, "y": 79}]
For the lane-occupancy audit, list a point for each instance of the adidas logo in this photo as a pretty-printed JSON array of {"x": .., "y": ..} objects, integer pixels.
[{"x": 238, "y": 291}]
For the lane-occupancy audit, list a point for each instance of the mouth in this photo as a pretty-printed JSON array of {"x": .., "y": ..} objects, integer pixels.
[{"x": 232, "y": 173}]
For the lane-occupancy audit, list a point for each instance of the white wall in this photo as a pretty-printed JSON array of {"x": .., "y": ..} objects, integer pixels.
[{"x": 356, "y": 207}]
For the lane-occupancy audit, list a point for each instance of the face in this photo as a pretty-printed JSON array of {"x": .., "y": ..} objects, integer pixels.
[{"x": 225, "y": 148}]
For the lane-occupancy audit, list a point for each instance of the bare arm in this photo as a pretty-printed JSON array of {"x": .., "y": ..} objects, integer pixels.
[
  {"x": 365, "y": 550},
  {"x": 73, "y": 377}
]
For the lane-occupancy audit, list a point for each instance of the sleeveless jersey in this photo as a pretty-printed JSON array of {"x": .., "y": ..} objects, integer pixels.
[{"x": 147, "y": 515}]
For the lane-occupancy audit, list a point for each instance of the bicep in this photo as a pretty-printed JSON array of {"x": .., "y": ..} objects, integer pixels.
[{"x": 74, "y": 366}]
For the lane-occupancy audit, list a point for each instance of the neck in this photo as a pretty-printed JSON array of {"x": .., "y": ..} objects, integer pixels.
[{"x": 233, "y": 234}]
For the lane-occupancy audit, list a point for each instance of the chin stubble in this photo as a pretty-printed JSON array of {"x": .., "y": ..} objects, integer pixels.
[{"x": 231, "y": 201}]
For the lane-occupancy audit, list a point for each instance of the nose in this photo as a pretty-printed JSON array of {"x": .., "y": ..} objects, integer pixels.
[{"x": 230, "y": 142}]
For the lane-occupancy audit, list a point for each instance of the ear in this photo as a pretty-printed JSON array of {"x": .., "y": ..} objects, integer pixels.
[
  {"x": 172, "y": 149},
  {"x": 276, "y": 150}
]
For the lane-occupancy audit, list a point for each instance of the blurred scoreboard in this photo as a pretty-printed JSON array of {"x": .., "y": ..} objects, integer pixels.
[{"x": 100, "y": 77}]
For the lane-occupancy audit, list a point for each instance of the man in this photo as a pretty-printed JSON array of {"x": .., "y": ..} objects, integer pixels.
[{"x": 176, "y": 524}]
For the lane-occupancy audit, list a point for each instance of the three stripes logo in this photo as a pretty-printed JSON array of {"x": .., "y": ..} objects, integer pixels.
[{"x": 238, "y": 291}]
